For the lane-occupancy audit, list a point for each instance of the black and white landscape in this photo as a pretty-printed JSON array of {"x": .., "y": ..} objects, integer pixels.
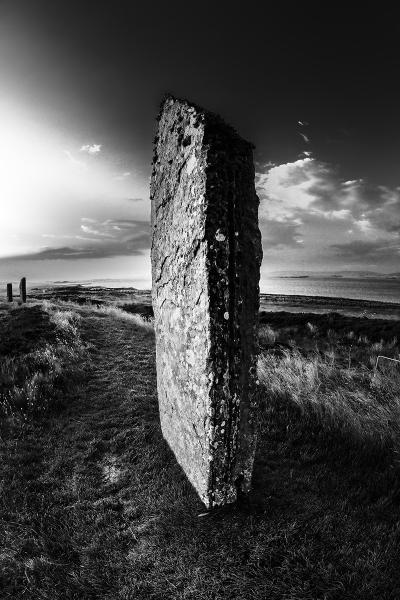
[{"x": 93, "y": 502}]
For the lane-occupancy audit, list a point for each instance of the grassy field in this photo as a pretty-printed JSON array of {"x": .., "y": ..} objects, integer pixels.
[{"x": 93, "y": 504}]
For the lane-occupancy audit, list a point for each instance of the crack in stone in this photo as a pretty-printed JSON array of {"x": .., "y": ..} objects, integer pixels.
[
  {"x": 172, "y": 257},
  {"x": 198, "y": 438},
  {"x": 162, "y": 268},
  {"x": 167, "y": 200},
  {"x": 163, "y": 203},
  {"x": 191, "y": 258},
  {"x": 199, "y": 296}
]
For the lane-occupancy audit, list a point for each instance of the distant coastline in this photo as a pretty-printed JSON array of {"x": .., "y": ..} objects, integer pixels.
[
  {"x": 270, "y": 302},
  {"x": 334, "y": 274},
  {"x": 366, "y": 287},
  {"x": 294, "y": 277}
]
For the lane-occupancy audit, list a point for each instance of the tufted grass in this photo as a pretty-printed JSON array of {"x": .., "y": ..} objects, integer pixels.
[
  {"x": 355, "y": 402},
  {"x": 40, "y": 350}
]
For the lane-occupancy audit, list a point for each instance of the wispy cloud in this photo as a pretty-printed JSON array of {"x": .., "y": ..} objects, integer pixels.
[
  {"x": 90, "y": 230},
  {"x": 104, "y": 239},
  {"x": 123, "y": 176},
  {"x": 305, "y": 137},
  {"x": 91, "y": 148},
  {"x": 75, "y": 161}
]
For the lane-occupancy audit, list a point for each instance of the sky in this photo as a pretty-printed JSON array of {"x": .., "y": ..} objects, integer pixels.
[{"x": 314, "y": 86}]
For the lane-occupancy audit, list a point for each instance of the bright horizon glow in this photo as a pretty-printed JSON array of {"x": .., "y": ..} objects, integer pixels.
[
  {"x": 26, "y": 155},
  {"x": 47, "y": 186}
]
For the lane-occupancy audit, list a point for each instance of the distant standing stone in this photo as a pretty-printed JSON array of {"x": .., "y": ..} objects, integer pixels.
[
  {"x": 22, "y": 289},
  {"x": 9, "y": 292},
  {"x": 206, "y": 255}
]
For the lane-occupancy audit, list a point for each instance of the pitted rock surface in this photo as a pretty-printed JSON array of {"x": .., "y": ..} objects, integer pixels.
[{"x": 206, "y": 255}]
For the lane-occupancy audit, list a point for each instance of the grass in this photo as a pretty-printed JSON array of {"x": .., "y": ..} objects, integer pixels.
[
  {"x": 132, "y": 312},
  {"x": 332, "y": 381},
  {"x": 353, "y": 402},
  {"x": 338, "y": 324},
  {"x": 93, "y": 504},
  {"x": 41, "y": 347},
  {"x": 132, "y": 317}
]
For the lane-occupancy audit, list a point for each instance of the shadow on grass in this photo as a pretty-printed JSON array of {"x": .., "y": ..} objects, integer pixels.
[{"x": 298, "y": 459}]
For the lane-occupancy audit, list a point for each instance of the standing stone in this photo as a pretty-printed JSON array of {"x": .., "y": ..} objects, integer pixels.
[
  {"x": 9, "y": 292},
  {"x": 22, "y": 289},
  {"x": 206, "y": 255}
]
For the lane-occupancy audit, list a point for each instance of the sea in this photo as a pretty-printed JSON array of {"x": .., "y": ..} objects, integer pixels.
[
  {"x": 382, "y": 289},
  {"x": 379, "y": 289}
]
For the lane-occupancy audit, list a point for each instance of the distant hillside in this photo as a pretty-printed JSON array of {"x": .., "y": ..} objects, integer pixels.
[
  {"x": 361, "y": 274},
  {"x": 344, "y": 274}
]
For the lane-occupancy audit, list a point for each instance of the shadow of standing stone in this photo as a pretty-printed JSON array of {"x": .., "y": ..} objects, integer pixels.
[{"x": 206, "y": 256}]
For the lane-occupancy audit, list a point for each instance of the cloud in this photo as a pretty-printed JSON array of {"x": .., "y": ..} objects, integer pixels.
[
  {"x": 365, "y": 251},
  {"x": 374, "y": 207},
  {"x": 341, "y": 221},
  {"x": 91, "y": 148},
  {"x": 113, "y": 237},
  {"x": 110, "y": 227},
  {"x": 74, "y": 161},
  {"x": 278, "y": 234},
  {"x": 305, "y": 137},
  {"x": 308, "y": 186},
  {"x": 351, "y": 182},
  {"x": 123, "y": 176},
  {"x": 285, "y": 188},
  {"x": 58, "y": 237},
  {"x": 89, "y": 230},
  {"x": 284, "y": 195}
]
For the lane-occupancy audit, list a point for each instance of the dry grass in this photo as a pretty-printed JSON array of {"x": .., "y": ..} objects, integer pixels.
[
  {"x": 266, "y": 335},
  {"x": 118, "y": 309},
  {"x": 119, "y": 313},
  {"x": 352, "y": 401}
]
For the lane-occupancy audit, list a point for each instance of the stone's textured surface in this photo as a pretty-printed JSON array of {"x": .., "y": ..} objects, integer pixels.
[
  {"x": 9, "y": 292},
  {"x": 206, "y": 255},
  {"x": 22, "y": 289}
]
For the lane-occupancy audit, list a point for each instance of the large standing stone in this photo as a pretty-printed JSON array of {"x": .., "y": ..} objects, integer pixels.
[
  {"x": 206, "y": 254},
  {"x": 22, "y": 289},
  {"x": 9, "y": 292}
]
